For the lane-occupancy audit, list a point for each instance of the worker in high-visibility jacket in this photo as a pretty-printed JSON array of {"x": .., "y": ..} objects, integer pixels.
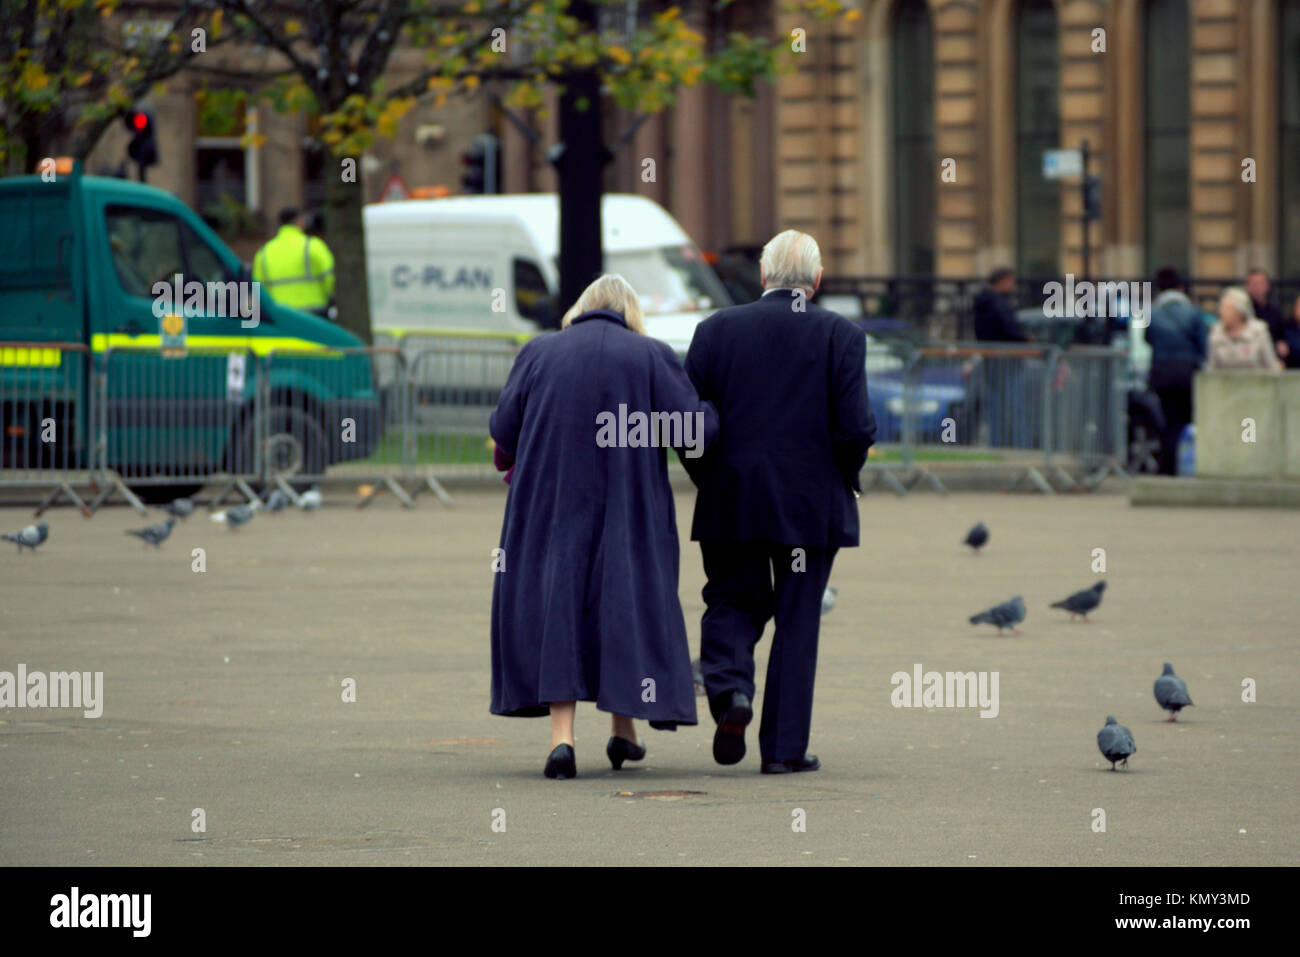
[{"x": 296, "y": 270}]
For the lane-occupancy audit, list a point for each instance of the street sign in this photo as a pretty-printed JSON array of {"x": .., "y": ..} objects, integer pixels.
[
  {"x": 394, "y": 188},
  {"x": 1058, "y": 164}
]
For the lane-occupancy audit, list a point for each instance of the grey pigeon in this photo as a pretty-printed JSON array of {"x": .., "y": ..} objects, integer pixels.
[
  {"x": 828, "y": 598},
  {"x": 1082, "y": 602},
  {"x": 1115, "y": 742},
  {"x": 976, "y": 537},
  {"x": 154, "y": 534},
  {"x": 180, "y": 507},
  {"x": 236, "y": 515},
  {"x": 1006, "y": 615},
  {"x": 310, "y": 500},
  {"x": 277, "y": 501},
  {"x": 30, "y": 537},
  {"x": 1171, "y": 692}
]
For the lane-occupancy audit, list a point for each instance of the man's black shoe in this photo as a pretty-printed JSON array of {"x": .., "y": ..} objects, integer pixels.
[
  {"x": 808, "y": 762},
  {"x": 733, "y": 717}
]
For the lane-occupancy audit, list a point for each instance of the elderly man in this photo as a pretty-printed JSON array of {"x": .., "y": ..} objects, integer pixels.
[{"x": 776, "y": 494}]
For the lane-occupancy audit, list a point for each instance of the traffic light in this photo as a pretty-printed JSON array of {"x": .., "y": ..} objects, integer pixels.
[
  {"x": 143, "y": 148},
  {"x": 482, "y": 162}
]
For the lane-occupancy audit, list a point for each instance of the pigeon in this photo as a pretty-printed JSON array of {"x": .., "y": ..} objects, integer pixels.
[
  {"x": 310, "y": 500},
  {"x": 30, "y": 537},
  {"x": 1171, "y": 692},
  {"x": 697, "y": 671},
  {"x": 1006, "y": 615},
  {"x": 1082, "y": 602},
  {"x": 180, "y": 507},
  {"x": 154, "y": 534},
  {"x": 976, "y": 537},
  {"x": 277, "y": 501},
  {"x": 1115, "y": 742},
  {"x": 828, "y": 598},
  {"x": 236, "y": 515}
]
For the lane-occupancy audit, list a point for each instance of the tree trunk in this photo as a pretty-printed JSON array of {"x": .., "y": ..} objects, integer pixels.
[
  {"x": 345, "y": 237},
  {"x": 580, "y": 178}
]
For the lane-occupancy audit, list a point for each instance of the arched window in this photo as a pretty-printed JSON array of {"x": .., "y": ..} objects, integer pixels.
[
  {"x": 915, "y": 170},
  {"x": 1166, "y": 110},
  {"x": 1038, "y": 128},
  {"x": 1288, "y": 256}
]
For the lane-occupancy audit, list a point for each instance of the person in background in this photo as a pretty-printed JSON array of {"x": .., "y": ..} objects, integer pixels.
[
  {"x": 296, "y": 269},
  {"x": 995, "y": 316},
  {"x": 1177, "y": 336},
  {"x": 1288, "y": 339},
  {"x": 1002, "y": 383},
  {"x": 1260, "y": 290},
  {"x": 1238, "y": 340}
]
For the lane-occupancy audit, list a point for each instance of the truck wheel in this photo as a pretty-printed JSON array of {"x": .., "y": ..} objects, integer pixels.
[{"x": 294, "y": 444}]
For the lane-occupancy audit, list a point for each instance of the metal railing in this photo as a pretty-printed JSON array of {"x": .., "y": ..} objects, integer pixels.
[
  {"x": 46, "y": 416},
  {"x": 408, "y": 417}
]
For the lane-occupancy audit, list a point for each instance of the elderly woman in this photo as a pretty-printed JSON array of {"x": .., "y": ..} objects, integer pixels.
[
  {"x": 1239, "y": 340},
  {"x": 584, "y": 605}
]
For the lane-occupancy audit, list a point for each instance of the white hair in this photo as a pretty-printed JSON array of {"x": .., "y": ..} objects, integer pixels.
[
  {"x": 614, "y": 293},
  {"x": 1240, "y": 300},
  {"x": 791, "y": 260}
]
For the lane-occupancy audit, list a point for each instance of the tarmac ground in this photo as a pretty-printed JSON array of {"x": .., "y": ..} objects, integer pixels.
[{"x": 223, "y": 698}]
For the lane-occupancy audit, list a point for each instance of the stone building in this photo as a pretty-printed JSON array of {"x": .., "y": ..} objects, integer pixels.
[{"x": 1191, "y": 109}]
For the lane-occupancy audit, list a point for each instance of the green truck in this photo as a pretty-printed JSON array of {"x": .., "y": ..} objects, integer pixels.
[{"x": 133, "y": 339}]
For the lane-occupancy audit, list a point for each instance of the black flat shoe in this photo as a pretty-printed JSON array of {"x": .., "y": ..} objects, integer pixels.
[
  {"x": 729, "y": 740},
  {"x": 621, "y": 749},
  {"x": 808, "y": 762},
  {"x": 561, "y": 764}
]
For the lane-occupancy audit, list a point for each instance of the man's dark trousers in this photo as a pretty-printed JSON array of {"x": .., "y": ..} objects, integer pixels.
[{"x": 749, "y": 583}]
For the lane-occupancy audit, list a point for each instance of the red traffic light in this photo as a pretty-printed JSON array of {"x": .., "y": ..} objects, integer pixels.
[{"x": 139, "y": 120}]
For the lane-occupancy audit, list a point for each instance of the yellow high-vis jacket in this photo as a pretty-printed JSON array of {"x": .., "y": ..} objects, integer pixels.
[{"x": 296, "y": 269}]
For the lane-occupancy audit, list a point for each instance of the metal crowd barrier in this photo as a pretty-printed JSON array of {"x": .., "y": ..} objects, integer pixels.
[
  {"x": 408, "y": 416},
  {"x": 454, "y": 388},
  {"x": 47, "y": 416},
  {"x": 1032, "y": 408},
  {"x": 336, "y": 413}
]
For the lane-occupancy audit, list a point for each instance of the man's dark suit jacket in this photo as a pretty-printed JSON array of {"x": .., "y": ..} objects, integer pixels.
[{"x": 790, "y": 388}]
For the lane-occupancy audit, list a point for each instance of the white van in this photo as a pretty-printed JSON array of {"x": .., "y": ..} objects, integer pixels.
[{"x": 490, "y": 265}]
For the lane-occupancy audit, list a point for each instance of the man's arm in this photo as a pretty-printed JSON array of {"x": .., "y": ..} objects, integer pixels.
[{"x": 853, "y": 424}]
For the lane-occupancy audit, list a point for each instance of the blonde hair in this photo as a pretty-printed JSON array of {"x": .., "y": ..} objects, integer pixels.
[
  {"x": 791, "y": 260},
  {"x": 1240, "y": 300},
  {"x": 613, "y": 293}
]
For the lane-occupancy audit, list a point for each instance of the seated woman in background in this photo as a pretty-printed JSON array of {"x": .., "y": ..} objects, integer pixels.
[{"x": 1239, "y": 341}]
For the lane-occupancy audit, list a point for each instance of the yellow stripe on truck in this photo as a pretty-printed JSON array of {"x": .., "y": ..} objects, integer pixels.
[
  {"x": 27, "y": 356},
  {"x": 258, "y": 345}
]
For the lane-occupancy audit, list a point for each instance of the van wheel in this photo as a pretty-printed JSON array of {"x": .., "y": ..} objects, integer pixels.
[{"x": 294, "y": 444}]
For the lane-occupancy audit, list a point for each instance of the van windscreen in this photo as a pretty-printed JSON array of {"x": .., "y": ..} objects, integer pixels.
[{"x": 670, "y": 279}]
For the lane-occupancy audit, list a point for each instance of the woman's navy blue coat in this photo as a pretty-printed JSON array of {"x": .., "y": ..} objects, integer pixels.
[{"x": 586, "y": 608}]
